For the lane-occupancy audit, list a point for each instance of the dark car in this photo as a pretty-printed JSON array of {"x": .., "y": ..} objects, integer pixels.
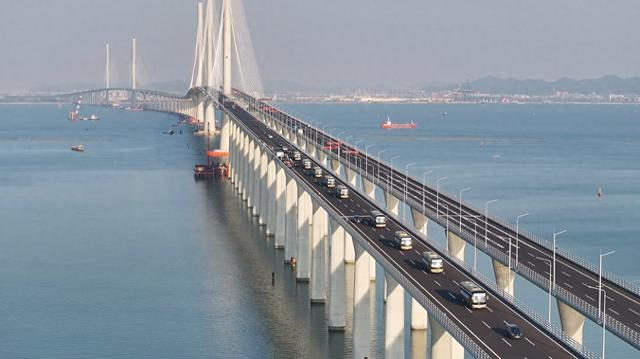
[{"x": 513, "y": 331}]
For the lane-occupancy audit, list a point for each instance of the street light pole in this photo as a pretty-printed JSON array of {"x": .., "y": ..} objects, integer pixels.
[
  {"x": 366, "y": 159},
  {"x": 390, "y": 184},
  {"x": 486, "y": 221},
  {"x": 518, "y": 234},
  {"x": 406, "y": 183},
  {"x": 438, "y": 195},
  {"x": 604, "y": 317},
  {"x": 475, "y": 245},
  {"x": 600, "y": 278},
  {"x": 554, "y": 256},
  {"x": 460, "y": 208},
  {"x": 549, "y": 309},
  {"x": 379, "y": 153},
  {"x": 424, "y": 190}
]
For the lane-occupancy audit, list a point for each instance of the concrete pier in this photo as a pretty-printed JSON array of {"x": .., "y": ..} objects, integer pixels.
[
  {"x": 337, "y": 285},
  {"x": 305, "y": 226},
  {"x": 443, "y": 345},
  {"x": 270, "y": 208},
  {"x": 504, "y": 277},
  {"x": 291, "y": 220},
  {"x": 392, "y": 203},
  {"x": 572, "y": 321},
  {"x": 456, "y": 245},
  {"x": 281, "y": 212},
  {"x": 361, "y": 319},
  {"x": 318, "y": 255},
  {"x": 394, "y": 319}
]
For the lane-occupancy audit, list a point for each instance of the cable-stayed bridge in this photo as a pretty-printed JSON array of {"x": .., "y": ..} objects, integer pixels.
[{"x": 316, "y": 227}]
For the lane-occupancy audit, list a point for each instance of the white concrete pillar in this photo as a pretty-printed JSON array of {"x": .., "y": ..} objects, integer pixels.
[
  {"x": 318, "y": 254},
  {"x": 372, "y": 268},
  {"x": 322, "y": 157},
  {"x": 419, "y": 316},
  {"x": 248, "y": 192},
  {"x": 210, "y": 119},
  {"x": 456, "y": 245},
  {"x": 335, "y": 166},
  {"x": 504, "y": 277},
  {"x": 420, "y": 221},
  {"x": 291, "y": 220},
  {"x": 394, "y": 319},
  {"x": 369, "y": 188},
  {"x": 572, "y": 321},
  {"x": 392, "y": 202},
  {"x": 349, "y": 252},
  {"x": 361, "y": 307},
  {"x": 337, "y": 286},
  {"x": 256, "y": 175},
  {"x": 281, "y": 212},
  {"x": 351, "y": 177},
  {"x": 443, "y": 345},
  {"x": 270, "y": 210},
  {"x": 305, "y": 227},
  {"x": 264, "y": 214}
]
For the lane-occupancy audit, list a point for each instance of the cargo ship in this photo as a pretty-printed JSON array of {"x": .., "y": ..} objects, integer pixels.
[{"x": 387, "y": 124}]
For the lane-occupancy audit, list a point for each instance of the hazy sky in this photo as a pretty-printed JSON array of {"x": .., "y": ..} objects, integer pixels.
[{"x": 354, "y": 43}]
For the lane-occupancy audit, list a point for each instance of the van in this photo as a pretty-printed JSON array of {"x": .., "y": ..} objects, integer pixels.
[
  {"x": 306, "y": 164},
  {"x": 297, "y": 156},
  {"x": 377, "y": 219},
  {"x": 329, "y": 181},
  {"x": 317, "y": 172},
  {"x": 432, "y": 262},
  {"x": 342, "y": 191},
  {"x": 402, "y": 240}
]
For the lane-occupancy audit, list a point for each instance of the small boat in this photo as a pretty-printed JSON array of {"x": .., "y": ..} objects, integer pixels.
[
  {"x": 73, "y": 115},
  {"x": 77, "y": 148},
  {"x": 169, "y": 132},
  {"x": 599, "y": 193},
  {"x": 93, "y": 117},
  {"x": 390, "y": 125}
]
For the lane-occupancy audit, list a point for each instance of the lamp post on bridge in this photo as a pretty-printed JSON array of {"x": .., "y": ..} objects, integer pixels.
[
  {"x": 518, "y": 235},
  {"x": 549, "y": 300},
  {"x": 554, "y": 256},
  {"x": 424, "y": 190},
  {"x": 438, "y": 195},
  {"x": 604, "y": 316},
  {"x": 379, "y": 161},
  {"x": 600, "y": 290},
  {"x": 486, "y": 221},
  {"x": 366, "y": 158},
  {"x": 354, "y": 148},
  {"x": 406, "y": 183},
  {"x": 460, "y": 209},
  {"x": 390, "y": 184}
]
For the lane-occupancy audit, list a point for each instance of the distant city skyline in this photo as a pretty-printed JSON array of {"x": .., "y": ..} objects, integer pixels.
[{"x": 395, "y": 45}]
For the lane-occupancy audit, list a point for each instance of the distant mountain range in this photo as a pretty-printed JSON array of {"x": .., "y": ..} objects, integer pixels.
[{"x": 601, "y": 85}]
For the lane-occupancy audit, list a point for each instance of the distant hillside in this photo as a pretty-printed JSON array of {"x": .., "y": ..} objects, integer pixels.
[{"x": 602, "y": 85}]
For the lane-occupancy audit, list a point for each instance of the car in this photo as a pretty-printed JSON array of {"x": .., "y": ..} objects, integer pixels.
[
  {"x": 343, "y": 192},
  {"x": 317, "y": 172},
  {"x": 513, "y": 331},
  {"x": 270, "y": 136},
  {"x": 297, "y": 156},
  {"x": 306, "y": 164}
]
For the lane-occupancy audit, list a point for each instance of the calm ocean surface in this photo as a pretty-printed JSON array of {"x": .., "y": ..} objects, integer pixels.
[{"x": 118, "y": 252}]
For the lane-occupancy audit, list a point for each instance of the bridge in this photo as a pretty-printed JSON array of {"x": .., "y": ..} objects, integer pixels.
[{"x": 322, "y": 232}]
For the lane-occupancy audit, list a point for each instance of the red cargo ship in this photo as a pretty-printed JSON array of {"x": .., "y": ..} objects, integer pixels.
[{"x": 390, "y": 125}]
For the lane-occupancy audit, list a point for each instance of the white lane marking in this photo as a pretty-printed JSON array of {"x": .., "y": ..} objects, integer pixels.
[
  {"x": 412, "y": 262},
  {"x": 485, "y": 324},
  {"x": 468, "y": 310},
  {"x": 451, "y": 295},
  {"x": 381, "y": 236},
  {"x": 636, "y": 324},
  {"x": 566, "y": 274},
  {"x": 401, "y": 252},
  {"x": 633, "y": 311},
  {"x": 352, "y": 211},
  {"x": 530, "y": 342},
  {"x": 489, "y": 309},
  {"x": 418, "y": 253},
  {"x": 453, "y": 280},
  {"x": 568, "y": 285},
  {"x": 590, "y": 297},
  {"x": 614, "y": 312},
  {"x": 506, "y": 342},
  {"x": 531, "y": 264},
  {"x": 438, "y": 283},
  {"x": 531, "y": 254}
]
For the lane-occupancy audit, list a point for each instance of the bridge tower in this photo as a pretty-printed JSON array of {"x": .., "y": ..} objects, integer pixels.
[
  {"x": 226, "y": 70},
  {"x": 209, "y": 38}
]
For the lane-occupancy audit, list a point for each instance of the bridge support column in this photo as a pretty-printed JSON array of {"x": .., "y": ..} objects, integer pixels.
[
  {"x": 351, "y": 177},
  {"x": 419, "y": 316},
  {"x": 323, "y": 157},
  {"x": 335, "y": 166},
  {"x": 250, "y": 174},
  {"x": 270, "y": 206},
  {"x": 318, "y": 254},
  {"x": 349, "y": 252},
  {"x": 443, "y": 345},
  {"x": 571, "y": 320},
  {"x": 281, "y": 212},
  {"x": 504, "y": 277},
  {"x": 291, "y": 221},
  {"x": 369, "y": 190},
  {"x": 420, "y": 221},
  {"x": 456, "y": 245},
  {"x": 361, "y": 320},
  {"x": 224, "y": 132},
  {"x": 264, "y": 187},
  {"x": 392, "y": 202},
  {"x": 337, "y": 277},
  {"x": 209, "y": 118},
  {"x": 394, "y": 319},
  {"x": 305, "y": 226},
  {"x": 256, "y": 181},
  {"x": 244, "y": 163}
]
